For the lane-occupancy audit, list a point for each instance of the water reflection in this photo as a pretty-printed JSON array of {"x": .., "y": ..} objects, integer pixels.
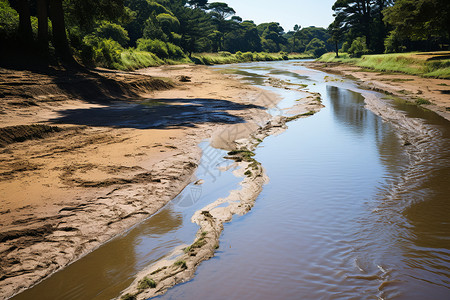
[{"x": 348, "y": 214}]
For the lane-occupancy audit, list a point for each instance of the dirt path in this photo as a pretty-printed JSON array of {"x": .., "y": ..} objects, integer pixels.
[
  {"x": 83, "y": 156},
  {"x": 408, "y": 87}
]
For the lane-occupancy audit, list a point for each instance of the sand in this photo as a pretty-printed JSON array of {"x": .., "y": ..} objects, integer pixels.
[{"x": 111, "y": 163}]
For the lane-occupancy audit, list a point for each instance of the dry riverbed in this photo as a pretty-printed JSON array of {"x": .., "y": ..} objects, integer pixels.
[{"x": 85, "y": 156}]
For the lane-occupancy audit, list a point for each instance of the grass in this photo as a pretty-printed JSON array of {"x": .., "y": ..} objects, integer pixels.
[
  {"x": 133, "y": 59},
  {"x": 181, "y": 263},
  {"x": 128, "y": 297},
  {"x": 146, "y": 283},
  {"x": 436, "y": 65},
  {"x": 421, "y": 101},
  {"x": 229, "y": 58},
  {"x": 309, "y": 113}
]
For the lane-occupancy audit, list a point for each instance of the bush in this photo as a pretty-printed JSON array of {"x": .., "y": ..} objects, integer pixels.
[
  {"x": 248, "y": 56},
  {"x": 358, "y": 47},
  {"x": 174, "y": 51},
  {"x": 225, "y": 53},
  {"x": 284, "y": 55},
  {"x": 9, "y": 20},
  {"x": 108, "y": 30},
  {"x": 132, "y": 59},
  {"x": 154, "y": 46},
  {"x": 393, "y": 43},
  {"x": 345, "y": 47},
  {"x": 106, "y": 52}
]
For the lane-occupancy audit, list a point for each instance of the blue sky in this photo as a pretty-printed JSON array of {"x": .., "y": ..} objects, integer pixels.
[{"x": 286, "y": 12}]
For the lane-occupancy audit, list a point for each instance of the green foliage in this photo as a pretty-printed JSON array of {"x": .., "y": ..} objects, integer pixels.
[
  {"x": 394, "y": 42},
  {"x": 146, "y": 283},
  {"x": 181, "y": 263},
  {"x": 9, "y": 20},
  {"x": 409, "y": 63},
  {"x": 358, "y": 47},
  {"x": 159, "y": 48},
  {"x": 105, "y": 52},
  {"x": 133, "y": 59},
  {"x": 128, "y": 297},
  {"x": 316, "y": 47},
  {"x": 425, "y": 23},
  {"x": 108, "y": 30}
]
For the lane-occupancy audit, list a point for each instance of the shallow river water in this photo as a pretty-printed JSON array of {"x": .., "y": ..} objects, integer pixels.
[{"x": 352, "y": 211}]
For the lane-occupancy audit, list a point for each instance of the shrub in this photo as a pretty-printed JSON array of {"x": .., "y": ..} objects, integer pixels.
[
  {"x": 154, "y": 46},
  {"x": 248, "y": 56},
  {"x": 345, "y": 47},
  {"x": 393, "y": 43},
  {"x": 225, "y": 53},
  {"x": 9, "y": 20},
  {"x": 108, "y": 30},
  {"x": 174, "y": 51},
  {"x": 358, "y": 47},
  {"x": 106, "y": 53},
  {"x": 284, "y": 55}
]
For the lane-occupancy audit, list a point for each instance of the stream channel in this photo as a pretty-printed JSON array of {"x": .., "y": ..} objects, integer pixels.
[{"x": 357, "y": 207}]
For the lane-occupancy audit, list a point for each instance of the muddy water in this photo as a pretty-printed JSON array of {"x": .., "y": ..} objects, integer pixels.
[
  {"x": 105, "y": 272},
  {"x": 352, "y": 211},
  {"x": 356, "y": 208}
]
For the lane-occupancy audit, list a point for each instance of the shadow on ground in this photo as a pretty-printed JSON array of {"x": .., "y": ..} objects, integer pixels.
[{"x": 163, "y": 113}]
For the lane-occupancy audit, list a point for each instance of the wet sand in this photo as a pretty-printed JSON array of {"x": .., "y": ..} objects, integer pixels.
[
  {"x": 123, "y": 145},
  {"x": 407, "y": 87}
]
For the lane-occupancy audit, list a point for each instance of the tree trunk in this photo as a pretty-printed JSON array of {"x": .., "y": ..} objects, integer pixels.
[
  {"x": 25, "y": 31},
  {"x": 42, "y": 12},
  {"x": 337, "y": 48},
  {"x": 59, "y": 30}
]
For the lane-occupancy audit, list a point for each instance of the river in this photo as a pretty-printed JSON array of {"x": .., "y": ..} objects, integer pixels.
[{"x": 356, "y": 208}]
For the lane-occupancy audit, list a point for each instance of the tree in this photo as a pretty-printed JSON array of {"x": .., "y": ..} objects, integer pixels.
[
  {"x": 60, "y": 41},
  {"x": 296, "y": 30},
  {"x": 426, "y": 22},
  {"x": 198, "y": 3},
  {"x": 363, "y": 18},
  {"x": 25, "y": 32},
  {"x": 271, "y": 36},
  {"x": 221, "y": 10},
  {"x": 42, "y": 12},
  {"x": 337, "y": 33}
]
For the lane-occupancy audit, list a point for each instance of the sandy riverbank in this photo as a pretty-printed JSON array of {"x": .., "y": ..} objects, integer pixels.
[
  {"x": 115, "y": 148},
  {"x": 408, "y": 87}
]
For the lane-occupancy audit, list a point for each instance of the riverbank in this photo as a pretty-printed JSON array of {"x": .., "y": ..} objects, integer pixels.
[
  {"x": 181, "y": 264},
  {"x": 431, "y": 93},
  {"x": 87, "y": 156}
]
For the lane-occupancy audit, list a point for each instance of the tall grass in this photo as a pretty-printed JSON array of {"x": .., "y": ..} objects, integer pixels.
[
  {"x": 133, "y": 59},
  {"x": 239, "y": 57},
  {"x": 423, "y": 64}
]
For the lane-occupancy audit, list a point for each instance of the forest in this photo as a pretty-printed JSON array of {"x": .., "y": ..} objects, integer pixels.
[{"x": 128, "y": 34}]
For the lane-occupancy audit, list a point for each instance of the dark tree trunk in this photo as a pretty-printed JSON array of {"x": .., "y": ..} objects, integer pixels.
[
  {"x": 59, "y": 30},
  {"x": 42, "y": 12},
  {"x": 336, "y": 49},
  {"x": 25, "y": 31}
]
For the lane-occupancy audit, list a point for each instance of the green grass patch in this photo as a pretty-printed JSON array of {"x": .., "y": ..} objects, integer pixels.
[
  {"x": 128, "y": 297},
  {"x": 421, "y": 101},
  {"x": 436, "y": 65},
  {"x": 181, "y": 264},
  {"x": 224, "y": 57},
  {"x": 309, "y": 113},
  {"x": 158, "y": 270},
  {"x": 146, "y": 283}
]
